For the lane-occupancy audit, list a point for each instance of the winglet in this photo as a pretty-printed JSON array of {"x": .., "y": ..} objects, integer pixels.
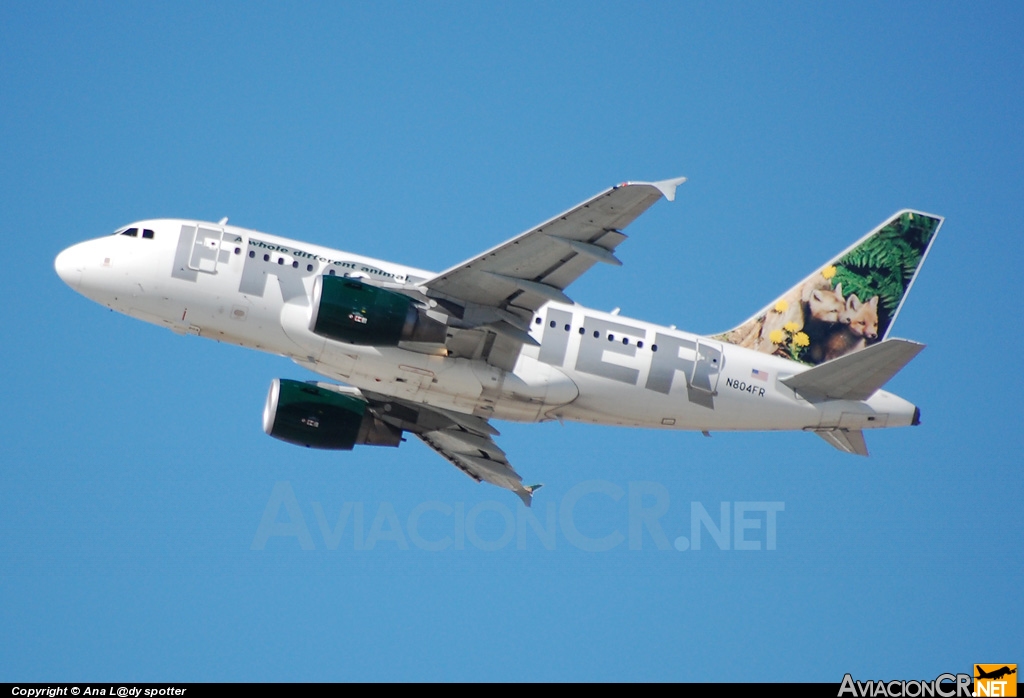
[
  {"x": 668, "y": 187},
  {"x": 526, "y": 493}
]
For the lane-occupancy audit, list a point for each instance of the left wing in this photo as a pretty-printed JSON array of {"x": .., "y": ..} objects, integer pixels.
[
  {"x": 462, "y": 439},
  {"x": 493, "y": 295},
  {"x": 535, "y": 267}
]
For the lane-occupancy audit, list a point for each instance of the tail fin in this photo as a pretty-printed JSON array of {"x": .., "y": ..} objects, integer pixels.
[{"x": 850, "y": 302}]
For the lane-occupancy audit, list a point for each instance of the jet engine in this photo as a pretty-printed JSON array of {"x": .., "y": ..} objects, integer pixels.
[
  {"x": 307, "y": 415},
  {"x": 358, "y": 313}
]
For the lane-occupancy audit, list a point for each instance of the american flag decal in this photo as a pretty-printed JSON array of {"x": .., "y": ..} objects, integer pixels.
[{"x": 759, "y": 375}]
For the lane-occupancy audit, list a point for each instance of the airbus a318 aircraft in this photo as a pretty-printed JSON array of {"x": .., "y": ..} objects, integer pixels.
[{"x": 496, "y": 337}]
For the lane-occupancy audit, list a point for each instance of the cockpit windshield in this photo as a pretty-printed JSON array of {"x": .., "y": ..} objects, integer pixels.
[{"x": 134, "y": 232}]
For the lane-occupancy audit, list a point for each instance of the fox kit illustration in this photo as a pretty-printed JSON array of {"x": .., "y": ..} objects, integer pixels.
[
  {"x": 861, "y": 317},
  {"x": 858, "y": 324},
  {"x": 809, "y": 306},
  {"x": 826, "y": 308},
  {"x": 826, "y": 305}
]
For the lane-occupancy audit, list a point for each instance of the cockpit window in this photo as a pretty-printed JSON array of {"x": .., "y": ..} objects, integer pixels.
[{"x": 134, "y": 233}]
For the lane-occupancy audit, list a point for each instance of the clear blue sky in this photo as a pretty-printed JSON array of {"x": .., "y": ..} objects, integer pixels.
[{"x": 134, "y": 473}]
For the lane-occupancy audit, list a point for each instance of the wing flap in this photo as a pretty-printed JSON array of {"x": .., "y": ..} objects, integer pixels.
[
  {"x": 589, "y": 249},
  {"x": 466, "y": 443}
]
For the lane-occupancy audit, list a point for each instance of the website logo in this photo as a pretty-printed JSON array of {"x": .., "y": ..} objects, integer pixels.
[{"x": 995, "y": 680}]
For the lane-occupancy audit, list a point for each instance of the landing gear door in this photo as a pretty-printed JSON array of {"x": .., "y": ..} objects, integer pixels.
[
  {"x": 708, "y": 367},
  {"x": 207, "y": 251}
]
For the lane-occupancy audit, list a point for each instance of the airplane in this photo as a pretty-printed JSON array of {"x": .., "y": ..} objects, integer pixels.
[
  {"x": 995, "y": 674},
  {"x": 443, "y": 355}
]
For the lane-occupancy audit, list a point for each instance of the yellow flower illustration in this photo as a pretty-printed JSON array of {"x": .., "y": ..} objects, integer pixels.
[
  {"x": 791, "y": 327},
  {"x": 829, "y": 271},
  {"x": 782, "y": 306},
  {"x": 776, "y": 336},
  {"x": 801, "y": 339}
]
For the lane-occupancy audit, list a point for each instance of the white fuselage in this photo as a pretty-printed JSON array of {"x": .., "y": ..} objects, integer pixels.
[{"x": 252, "y": 289}]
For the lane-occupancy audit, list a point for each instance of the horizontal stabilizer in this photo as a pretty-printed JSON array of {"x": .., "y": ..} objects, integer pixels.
[
  {"x": 855, "y": 376},
  {"x": 846, "y": 440}
]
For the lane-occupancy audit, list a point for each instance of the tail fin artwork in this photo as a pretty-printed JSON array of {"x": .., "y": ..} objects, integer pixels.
[{"x": 849, "y": 303}]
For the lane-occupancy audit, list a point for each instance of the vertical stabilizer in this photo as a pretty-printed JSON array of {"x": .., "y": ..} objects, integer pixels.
[{"x": 849, "y": 303}]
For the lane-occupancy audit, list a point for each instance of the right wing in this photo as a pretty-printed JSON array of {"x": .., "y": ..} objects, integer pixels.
[
  {"x": 463, "y": 440},
  {"x": 479, "y": 457}
]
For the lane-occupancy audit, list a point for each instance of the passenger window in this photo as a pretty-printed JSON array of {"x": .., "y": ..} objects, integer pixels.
[
  {"x": 266, "y": 258},
  {"x": 537, "y": 320},
  {"x": 295, "y": 265},
  {"x": 552, "y": 323},
  {"x": 251, "y": 254},
  {"x": 566, "y": 328},
  {"x": 596, "y": 334},
  {"x": 331, "y": 272},
  {"x": 583, "y": 330},
  {"x": 654, "y": 347},
  {"x": 309, "y": 267},
  {"x": 640, "y": 345},
  {"x": 611, "y": 337}
]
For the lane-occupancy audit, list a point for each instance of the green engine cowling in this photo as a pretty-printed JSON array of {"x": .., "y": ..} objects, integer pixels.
[
  {"x": 351, "y": 311},
  {"x": 307, "y": 415}
]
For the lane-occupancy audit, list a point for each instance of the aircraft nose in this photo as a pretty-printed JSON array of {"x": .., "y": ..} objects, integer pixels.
[{"x": 68, "y": 266}]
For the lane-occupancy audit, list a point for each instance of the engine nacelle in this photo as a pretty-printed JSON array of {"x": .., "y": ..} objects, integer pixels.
[
  {"x": 308, "y": 415},
  {"x": 351, "y": 311}
]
